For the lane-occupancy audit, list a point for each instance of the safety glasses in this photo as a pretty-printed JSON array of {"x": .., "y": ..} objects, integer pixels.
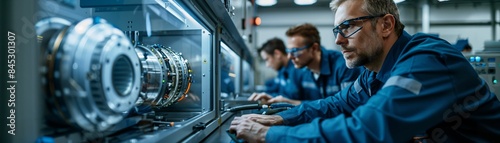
[
  {"x": 350, "y": 27},
  {"x": 295, "y": 52}
]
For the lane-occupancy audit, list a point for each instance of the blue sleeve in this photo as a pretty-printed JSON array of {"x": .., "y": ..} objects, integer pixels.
[
  {"x": 415, "y": 98},
  {"x": 344, "y": 101},
  {"x": 272, "y": 87},
  {"x": 292, "y": 88}
]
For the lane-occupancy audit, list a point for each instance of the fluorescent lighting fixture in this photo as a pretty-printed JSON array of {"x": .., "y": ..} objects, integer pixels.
[
  {"x": 266, "y": 2},
  {"x": 398, "y": 1},
  {"x": 442, "y": 0},
  {"x": 304, "y": 2}
]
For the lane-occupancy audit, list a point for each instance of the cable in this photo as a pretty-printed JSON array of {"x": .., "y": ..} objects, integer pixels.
[{"x": 245, "y": 107}]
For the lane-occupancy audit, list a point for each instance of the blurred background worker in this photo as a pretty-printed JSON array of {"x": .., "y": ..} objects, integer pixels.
[
  {"x": 273, "y": 53},
  {"x": 463, "y": 46},
  {"x": 326, "y": 72}
]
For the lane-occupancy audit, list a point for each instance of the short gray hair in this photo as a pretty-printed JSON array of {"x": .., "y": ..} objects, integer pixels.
[{"x": 376, "y": 7}]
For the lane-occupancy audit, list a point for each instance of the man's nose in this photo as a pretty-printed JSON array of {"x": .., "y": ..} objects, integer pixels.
[{"x": 340, "y": 40}]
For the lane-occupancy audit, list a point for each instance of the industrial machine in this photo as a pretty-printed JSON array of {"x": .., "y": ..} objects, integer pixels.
[
  {"x": 135, "y": 70},
  {"x": 488, "y": 67},
  {"x": 486, "y": 64}
]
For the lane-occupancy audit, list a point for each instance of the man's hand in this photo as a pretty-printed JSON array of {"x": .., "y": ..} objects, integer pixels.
[
  {"x": 263, "y": 97},
  {"x": 268, "y": 99},
  {"x": 249, "y": 130},
  {"x": 283, "y": 99},
  {"x": 267, "y": 120}
]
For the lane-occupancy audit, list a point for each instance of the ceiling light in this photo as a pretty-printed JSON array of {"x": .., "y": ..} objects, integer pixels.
[
  {"x": 266, "y": 2},
  {"x": 398, "y": 1},
  {"x": 442, "y": 0},
  {"x": 304, "y": 2}
]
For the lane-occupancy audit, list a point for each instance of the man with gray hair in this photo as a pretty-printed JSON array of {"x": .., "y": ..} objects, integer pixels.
[{"x": 416, "y": 88}]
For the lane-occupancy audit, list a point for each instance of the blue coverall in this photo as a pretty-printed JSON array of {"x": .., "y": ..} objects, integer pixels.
[
  {"x": 272, "y": 85},
  {"x": 334, "y": 75},
  {"x": 282, "y": 80},
  {"x": 424, "y": 86}
]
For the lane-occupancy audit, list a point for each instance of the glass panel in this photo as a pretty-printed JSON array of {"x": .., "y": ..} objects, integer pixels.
[
  {"x": 248, "y": 78},
  {"x": 229, "y": 61},
  {"x": 128, "y": 59}
]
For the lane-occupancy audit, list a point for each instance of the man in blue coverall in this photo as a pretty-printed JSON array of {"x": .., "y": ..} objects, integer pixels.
[
  {"x": 326, "y": 72},
  {"x": 274, "y": 53},
  {"x": 271, "y": 85},
  {"x": 415, "y": 87}
]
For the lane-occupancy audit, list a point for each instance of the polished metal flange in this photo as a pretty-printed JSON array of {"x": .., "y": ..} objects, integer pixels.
[
  {"x": 166, "y": 75},
  {"x": 154, "y": 79},
  {"x": 91, "y": 72},
  {"x": 179, "y": 75}
]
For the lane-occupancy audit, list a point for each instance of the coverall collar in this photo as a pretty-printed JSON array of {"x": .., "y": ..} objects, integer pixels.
[
  {"x": 325, "y": 62},
  {"x": 287, "y": 67},
  {"x": 392, "y": 56},
  {"x": 290, "y": 65}
]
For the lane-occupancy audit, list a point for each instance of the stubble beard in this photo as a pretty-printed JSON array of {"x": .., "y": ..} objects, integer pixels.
[
  {"x": 357, "y": 59},
  {"x": 304, "y": 64}
]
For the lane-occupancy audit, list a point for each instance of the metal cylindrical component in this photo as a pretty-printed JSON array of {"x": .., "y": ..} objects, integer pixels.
[
  {"x": 179, "y": 75},
  {"x": 166, "y": 75},
  {"x": 91, "y": 72},
  {"x": 153, "y": 75}
]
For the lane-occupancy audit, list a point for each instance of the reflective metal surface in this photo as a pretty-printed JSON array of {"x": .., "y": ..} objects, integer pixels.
[
  {"x": 166, "y": 75},
  {"x": 153, "y": 75},
  {"x": 159, "y": 82},
  {"x": 91, "y": 72},
  {"x": 179, "y": 75}
]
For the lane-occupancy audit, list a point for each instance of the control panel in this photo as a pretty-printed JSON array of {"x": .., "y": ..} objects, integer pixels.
[{"x": 487, "y": 66}]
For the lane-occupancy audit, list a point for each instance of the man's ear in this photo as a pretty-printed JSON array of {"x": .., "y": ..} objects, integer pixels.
[
  {"x": 388, "y": 23},
  {"x": 316, "y": 46},
  {"x": 276, "y": 52}
]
